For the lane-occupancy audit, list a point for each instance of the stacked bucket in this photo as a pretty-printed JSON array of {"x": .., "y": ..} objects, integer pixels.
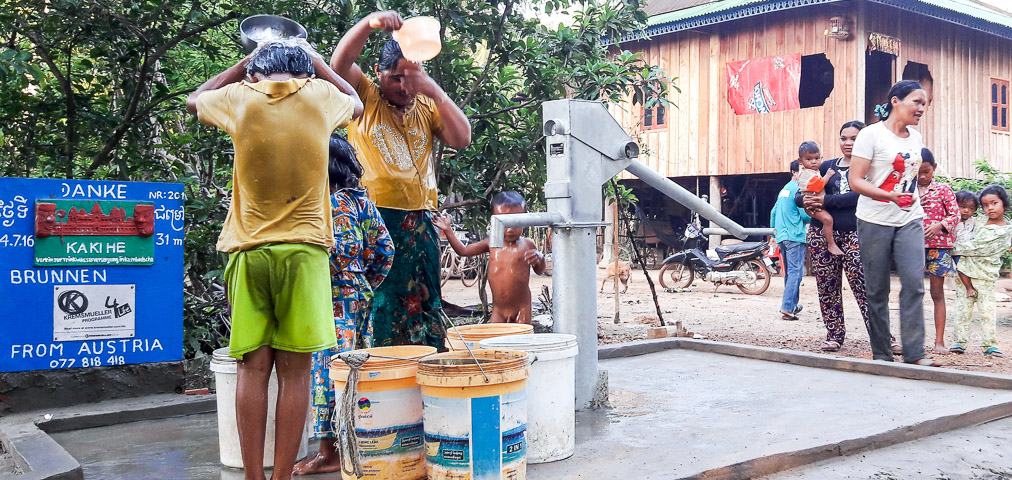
[{"x": 482, "y": 414}]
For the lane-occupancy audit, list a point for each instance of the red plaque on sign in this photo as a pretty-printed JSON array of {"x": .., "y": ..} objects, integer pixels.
[{"x": 52, "y": 222}]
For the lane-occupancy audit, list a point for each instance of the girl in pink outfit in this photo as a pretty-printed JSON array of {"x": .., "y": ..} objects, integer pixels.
[{"x": 941, "y": 215}]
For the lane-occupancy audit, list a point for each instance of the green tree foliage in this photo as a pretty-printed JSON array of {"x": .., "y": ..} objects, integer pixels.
[{"x": 94, "y": 89}]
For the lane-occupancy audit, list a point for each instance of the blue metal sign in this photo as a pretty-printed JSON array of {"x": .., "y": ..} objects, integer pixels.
[{"x": 90, "y": 315}]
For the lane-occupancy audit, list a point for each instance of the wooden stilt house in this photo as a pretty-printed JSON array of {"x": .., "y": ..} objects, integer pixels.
[{"x": 758, "y": 77}]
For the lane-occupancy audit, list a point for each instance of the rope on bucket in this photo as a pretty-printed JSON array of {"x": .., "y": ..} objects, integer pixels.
[
  {"x": 453, "y": 327},
  {"x": 347, "y": 437}
]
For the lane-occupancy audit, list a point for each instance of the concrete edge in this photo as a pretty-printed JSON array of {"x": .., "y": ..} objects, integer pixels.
[
  {"x": 815, "y": 360},
  {"x": 26, "y": 436},
  {"x": 780, "y": 462},
  {"x": 152, "y": 410},
  {"x": 37, "y": 454},
  {"x": 9, "y": 447}
]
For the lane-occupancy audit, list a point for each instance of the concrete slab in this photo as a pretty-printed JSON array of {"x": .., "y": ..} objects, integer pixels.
[
  {"x": 979, "y": 452},
  {"x": 25, "y": 436},
  {"x": 181, "y": 447},
  {"x": 677, "y": 413},
  {"x": 680, "y": 413},
  {"x": 35, "y": 454}
]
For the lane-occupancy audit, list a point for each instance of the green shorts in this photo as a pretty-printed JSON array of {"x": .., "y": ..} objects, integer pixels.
[{"x": 279, "y": 295}]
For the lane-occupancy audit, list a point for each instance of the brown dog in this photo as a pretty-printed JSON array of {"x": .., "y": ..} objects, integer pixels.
[{"x": 615, "y": 274}]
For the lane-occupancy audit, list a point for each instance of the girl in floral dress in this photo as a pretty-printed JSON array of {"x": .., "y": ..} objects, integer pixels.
[
  {"x": 979, "y": 265},
  {"x": 941, "y": 216},
  {"x": 359, "y": 262}
]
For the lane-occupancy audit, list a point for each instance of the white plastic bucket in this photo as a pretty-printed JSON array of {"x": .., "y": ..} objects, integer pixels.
[
  {"x": 475, "y": 428},
  {"x": 551, "y": 392},
  {"x": 224, "y": 368},
  {"x": 470, "y": 335}
]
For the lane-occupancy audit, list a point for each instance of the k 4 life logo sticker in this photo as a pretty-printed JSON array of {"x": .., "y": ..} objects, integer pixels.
[{"x": 86, "y": 312}]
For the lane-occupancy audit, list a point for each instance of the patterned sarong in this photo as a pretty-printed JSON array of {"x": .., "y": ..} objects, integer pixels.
[{"x": 406, "y": 306}]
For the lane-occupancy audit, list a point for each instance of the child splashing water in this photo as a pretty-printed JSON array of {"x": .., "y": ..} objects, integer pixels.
[
  {"x": 978, "y": 266},
  {"x": 941, "y": 216},
  {"x": 810, "y": 182},
  {"x": 509, "y": 267}
]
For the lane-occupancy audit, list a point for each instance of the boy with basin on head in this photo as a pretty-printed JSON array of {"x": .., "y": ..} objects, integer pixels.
[
  {"x": 509, "y": 267},
  {"x": 277, "y": 231}
]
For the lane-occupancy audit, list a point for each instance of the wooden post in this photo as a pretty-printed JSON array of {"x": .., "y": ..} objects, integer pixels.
[
  {"x": 609, "y": 234},
  {"x": 614, "y": 230},
  {"x": 715, "y": 202}
]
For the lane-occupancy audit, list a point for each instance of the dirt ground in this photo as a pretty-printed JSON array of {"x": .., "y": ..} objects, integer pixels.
[{"x": 727, "y": 315}]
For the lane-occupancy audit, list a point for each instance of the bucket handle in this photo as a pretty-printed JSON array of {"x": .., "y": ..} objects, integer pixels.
[{"x": 446, "y": 318}]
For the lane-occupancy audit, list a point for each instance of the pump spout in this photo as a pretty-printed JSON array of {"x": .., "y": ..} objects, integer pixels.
[
  {"x": 694, "y": 203},
  {"x": 533, "y": 219}
]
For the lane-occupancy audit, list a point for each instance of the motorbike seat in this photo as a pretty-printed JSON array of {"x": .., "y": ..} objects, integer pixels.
[{"x": 739, "y": 247}]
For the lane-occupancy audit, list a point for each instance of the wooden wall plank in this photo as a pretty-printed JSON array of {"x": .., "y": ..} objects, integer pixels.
[{"x": 717, "y": 100}]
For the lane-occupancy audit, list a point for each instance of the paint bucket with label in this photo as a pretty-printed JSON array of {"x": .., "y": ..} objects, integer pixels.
[
  {"x": 388, "y": 420},
  {"x": 225, "y": 378},
  {"x": 551, "y": 392},
  {"x": 470, "y": 335},
  {"x": 475, "y": 414}
]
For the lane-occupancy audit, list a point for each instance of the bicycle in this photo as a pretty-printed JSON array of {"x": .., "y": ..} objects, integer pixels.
[{"x": 467, "y": 268}]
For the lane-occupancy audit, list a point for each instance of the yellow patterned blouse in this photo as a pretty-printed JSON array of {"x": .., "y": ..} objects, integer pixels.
[{"x": 397, "y": 156}]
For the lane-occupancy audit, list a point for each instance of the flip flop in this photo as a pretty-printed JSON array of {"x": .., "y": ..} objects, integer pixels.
[
  {"x": 831, "y": 346},
  {"x": 896, "y": 348},
  {"x": 993, "y": 352},
  {"x": 925, "y": 362},
  {"x": 957, "y": 348},
  {"x": 798, "y": 309},
  {"x": 788, "y": 316}
]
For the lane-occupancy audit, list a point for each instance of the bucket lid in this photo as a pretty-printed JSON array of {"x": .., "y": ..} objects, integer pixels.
[
  {"x": 533, "y": 343},
  {"x": 459, "y": 369},
  {"x": 400, "y": 356},
  {"x": 488, "y": 330},
  {"x": 221, "y": 355}
]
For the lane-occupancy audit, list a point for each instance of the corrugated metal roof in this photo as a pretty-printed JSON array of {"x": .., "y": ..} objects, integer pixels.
[
  {"x": 657, "y": 7},
  {"x": 968, "y": 8},
  {"x": 699, "y": 10},
  {"x": 689, "y": 14}
]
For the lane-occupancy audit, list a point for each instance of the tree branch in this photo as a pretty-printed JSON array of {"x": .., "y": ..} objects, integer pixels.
[
  {"x": 488, "y": 61},
  {"x": 65, "y": 85},
  {"x": 505, "y": 109},
  {"x": 636, "y": 251},
  {"x": 462, "y": 203},
  {"x": 130, "y": 115}
]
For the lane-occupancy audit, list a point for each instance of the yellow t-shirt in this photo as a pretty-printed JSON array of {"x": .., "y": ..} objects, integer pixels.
[
  {"x": 396, "y": 156},
  {"x": 281, "y": 135}
]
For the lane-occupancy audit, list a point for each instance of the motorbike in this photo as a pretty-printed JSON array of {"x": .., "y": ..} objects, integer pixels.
[{"x": 743, "y": 265}]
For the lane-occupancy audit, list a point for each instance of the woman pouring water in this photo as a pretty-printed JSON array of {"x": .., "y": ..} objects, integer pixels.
[{"x": 405, "y": 111}]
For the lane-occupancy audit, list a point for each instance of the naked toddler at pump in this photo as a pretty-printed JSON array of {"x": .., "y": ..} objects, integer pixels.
[{"x": 509, "y": 267}]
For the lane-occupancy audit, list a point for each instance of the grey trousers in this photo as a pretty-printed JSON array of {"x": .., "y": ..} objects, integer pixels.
[{"x": 880, "y": 246}]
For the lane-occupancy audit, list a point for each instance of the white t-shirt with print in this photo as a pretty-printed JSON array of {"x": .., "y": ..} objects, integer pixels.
[{"x": 882, "y": 147}]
